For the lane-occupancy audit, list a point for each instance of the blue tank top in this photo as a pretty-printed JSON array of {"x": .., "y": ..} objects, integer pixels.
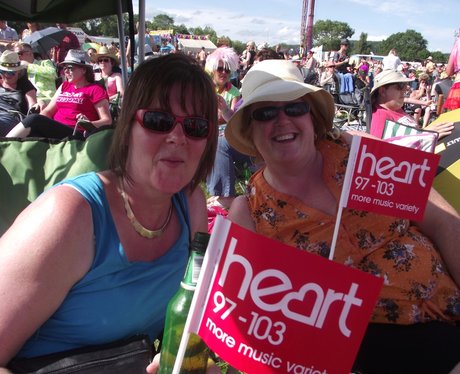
[{"x": 116, "y": 299}]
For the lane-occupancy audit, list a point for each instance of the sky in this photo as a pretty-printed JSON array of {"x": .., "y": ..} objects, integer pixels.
[{"x": 279, "y": 21}]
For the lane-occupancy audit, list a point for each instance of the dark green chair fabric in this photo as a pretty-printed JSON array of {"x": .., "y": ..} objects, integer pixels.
[{"x": 30, "y": 166}]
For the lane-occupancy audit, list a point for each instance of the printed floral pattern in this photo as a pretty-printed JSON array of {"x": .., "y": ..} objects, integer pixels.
[{"x": 417, "y": 287}]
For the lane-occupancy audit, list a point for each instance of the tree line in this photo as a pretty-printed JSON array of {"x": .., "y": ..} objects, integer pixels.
[{"x": 411, "y": 45}]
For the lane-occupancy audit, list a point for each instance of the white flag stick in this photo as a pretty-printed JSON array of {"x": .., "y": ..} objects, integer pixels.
[
  {"x": 203, "y": 289},
  {"x": 345, "y": 191}
]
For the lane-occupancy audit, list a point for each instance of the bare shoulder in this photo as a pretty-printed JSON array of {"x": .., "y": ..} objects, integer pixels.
[
  {"x": 240, "y": 214},
  {"x": 60, "y": 215},
  {"x": 43, "y": 254}
]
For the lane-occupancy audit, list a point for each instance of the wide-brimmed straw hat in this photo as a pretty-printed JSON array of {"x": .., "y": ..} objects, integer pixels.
[
  {"x": 105, "y": 52},
  {"x": 9, "y": 61},
  {"x": 388, "y": 77},
  {"x": 77, "y": 57},
  {"x": 275, "y": 80}
]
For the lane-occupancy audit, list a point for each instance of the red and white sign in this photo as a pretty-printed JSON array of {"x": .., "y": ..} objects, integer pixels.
[
  {"x": 388, "y": 179},
  {"x": 266, "y": 307}
]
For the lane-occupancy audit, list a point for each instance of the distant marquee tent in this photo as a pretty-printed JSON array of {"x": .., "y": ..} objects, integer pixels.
[{"x": 194, "y": 43}]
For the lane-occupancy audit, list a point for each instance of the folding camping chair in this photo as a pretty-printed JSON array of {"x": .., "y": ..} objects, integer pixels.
[
  {"x": 29, "y": 166},
  {"x": 352, "y": 109}
]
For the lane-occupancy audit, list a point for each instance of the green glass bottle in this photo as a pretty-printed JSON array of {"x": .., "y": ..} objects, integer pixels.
[{"x": 196, "y": 355}]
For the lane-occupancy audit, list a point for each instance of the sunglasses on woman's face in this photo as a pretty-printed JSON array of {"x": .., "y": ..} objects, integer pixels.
[
  {"x": 267, "y": 113},
  {"x": 7, "y": 73},
  {"x": 221, "y": 69},
  {"x": 196, "y": 128},
  {"x": 69, "y": 67},
  {"x": 103, "y": 60}
]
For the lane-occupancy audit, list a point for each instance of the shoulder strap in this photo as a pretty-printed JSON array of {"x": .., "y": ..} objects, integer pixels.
[{"x": 181, "y": 200}]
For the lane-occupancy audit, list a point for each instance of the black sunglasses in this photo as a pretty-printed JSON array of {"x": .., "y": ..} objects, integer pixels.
[
  {"x": 267, "y": 113},
  {"x": 221, "y": 69},
  {"x": 7, "y": 73},
  {"x": 163, "y": 123},
  {"x": 68, "y": 67},
  {"x": 103, "y": 60}
]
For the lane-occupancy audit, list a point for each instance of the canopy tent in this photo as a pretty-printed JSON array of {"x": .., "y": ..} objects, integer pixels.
[
  {"x": 64, "y": 11},
  {"x": 194, "y": 43}
]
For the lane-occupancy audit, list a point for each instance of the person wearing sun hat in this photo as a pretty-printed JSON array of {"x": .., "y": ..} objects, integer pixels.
[
  {"x": 78, "y": 98},
  {"x": 109, "y": 73},
  {"x": 388, "y": 96},
  {"x": 293, "y": 198},
  {"x": 17, "y": 93}
]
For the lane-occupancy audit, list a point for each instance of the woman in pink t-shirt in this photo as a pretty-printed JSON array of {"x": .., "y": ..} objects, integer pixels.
[
  {"x": 77, "y": 99},
  {"x": 388, "y": 97}
]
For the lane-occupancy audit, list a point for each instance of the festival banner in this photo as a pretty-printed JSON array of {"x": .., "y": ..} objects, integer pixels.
[
  {"x": 388, "y": 179},
  {"x": 265, "y": 307}
]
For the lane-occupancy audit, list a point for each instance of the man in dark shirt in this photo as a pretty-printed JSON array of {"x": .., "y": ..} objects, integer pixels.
[{"x": 341, "y": 66}]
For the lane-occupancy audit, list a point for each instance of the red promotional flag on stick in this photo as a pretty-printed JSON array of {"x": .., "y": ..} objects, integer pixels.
[
  {"x": 266, "y": 307},
  {"x": 387, "y": 179}
]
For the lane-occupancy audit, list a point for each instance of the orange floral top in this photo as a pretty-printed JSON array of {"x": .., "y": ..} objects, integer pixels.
[{"x": 417, "y": 287}]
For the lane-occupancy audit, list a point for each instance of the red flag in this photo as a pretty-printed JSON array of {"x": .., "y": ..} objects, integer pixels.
[
  {"x": 388, "y": 179},
  {"x": 266, "y": 307}
]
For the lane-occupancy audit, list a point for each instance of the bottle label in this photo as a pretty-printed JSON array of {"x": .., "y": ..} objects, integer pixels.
[{"x": 196, "y": 267}]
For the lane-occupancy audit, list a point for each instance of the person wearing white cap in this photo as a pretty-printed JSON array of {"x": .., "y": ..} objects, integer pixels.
[
  {"x": 388, "y": 96},
  {"x": 293, "y": 198}
]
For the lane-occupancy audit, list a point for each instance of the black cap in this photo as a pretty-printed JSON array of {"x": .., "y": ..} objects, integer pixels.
[{"x": 344, "y": 42}]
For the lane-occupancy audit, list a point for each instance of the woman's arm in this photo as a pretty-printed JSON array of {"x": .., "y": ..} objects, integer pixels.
[
  {"x": 31, "y": 97},
  {"x": 51, "y": 108},
  {"x": 45, "y": 252},
  {"x": 240, "y": 214},
  {"x": 102, "y": 108},
  {"x": 441, "y": 223},
  {"x": 119, "y": 82}
]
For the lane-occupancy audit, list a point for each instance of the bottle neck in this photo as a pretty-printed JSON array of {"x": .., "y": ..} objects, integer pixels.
[{"x": 193, "y": 269}]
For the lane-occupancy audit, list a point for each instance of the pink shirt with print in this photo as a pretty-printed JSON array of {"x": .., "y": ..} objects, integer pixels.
[
  {"x": 380, "y": 115},
  {"x": 72, "y": 101}
]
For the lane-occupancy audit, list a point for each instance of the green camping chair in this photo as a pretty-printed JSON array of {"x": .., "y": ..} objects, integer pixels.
[{"x": 30, "y": 166}]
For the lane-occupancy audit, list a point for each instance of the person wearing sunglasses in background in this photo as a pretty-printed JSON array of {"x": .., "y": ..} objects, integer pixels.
[
  {"x": 109, "y": 73},
  {"x": 388, "y": 96},
  {"x": 78, "y": 98},
  {"x": 41, "y": 72},
  {"x": 17, "y": 93},
  {"x": 110, "y": 248},
  {"x": 221, "y": 182},
  {"x": 293, "y": 198}
]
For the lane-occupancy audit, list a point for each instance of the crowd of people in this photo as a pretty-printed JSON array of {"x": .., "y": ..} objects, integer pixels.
[
  {"x": 184, "y": 122},
  {"x": 65, "y": 84}
]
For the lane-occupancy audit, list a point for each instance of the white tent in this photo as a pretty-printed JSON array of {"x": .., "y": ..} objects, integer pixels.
[{"x": 194, "y": 43}]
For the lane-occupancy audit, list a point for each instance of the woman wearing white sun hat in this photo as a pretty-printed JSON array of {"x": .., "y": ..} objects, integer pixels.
[
  {"x": 293, "y": 198},
  {"x": 388, "y": 96}
]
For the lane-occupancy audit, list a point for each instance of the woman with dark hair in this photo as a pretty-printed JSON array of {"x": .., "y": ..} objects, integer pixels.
[
  {"x": 77, "y": 99},
  {"x": 104, "y": 252}
]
